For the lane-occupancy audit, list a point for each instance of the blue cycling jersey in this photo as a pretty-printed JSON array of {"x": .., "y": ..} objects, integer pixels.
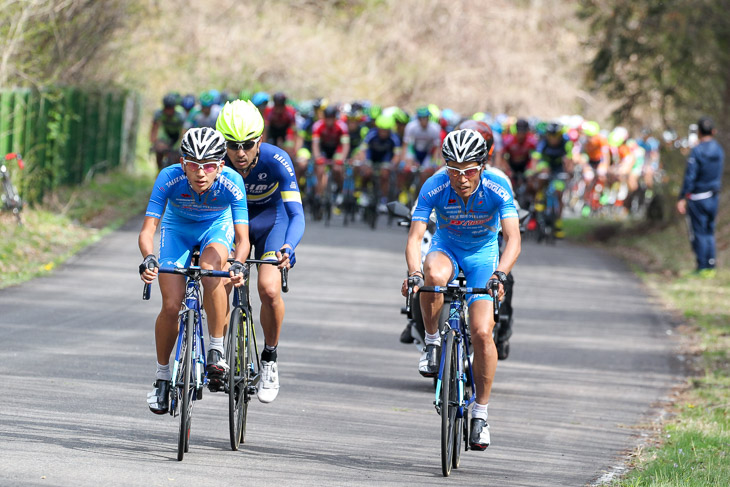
[
  {"x": 173, "y": 195},
  {"x": 272, "y": 185},
  {"x": 471, "y": 225}
]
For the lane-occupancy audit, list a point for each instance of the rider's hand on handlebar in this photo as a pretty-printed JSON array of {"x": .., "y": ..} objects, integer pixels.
[
  {"x": 148, "y": 269},
  {"x": 500, "y": 293},
  {"x": 238, "y": 273},
  {"x": 285, "y": 256},
  {"x": 414, "y": 281}
]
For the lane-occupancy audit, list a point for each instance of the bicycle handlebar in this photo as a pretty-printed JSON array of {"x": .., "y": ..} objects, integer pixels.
[
  {"x": 184, "y": 271},
  {"x": 454, "y": 290},
  {"x": 284, "y": 271}
]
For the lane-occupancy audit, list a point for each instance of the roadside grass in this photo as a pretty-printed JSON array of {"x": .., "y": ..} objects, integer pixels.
[
  {"x": 693, "y": 448},
  {"x": 67, "y": 221}
]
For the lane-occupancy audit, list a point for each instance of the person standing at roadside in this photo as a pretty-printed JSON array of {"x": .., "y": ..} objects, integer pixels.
[{"x": 699, "y": 196}]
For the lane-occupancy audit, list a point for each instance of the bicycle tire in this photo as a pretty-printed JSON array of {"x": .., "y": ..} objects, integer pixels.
[
  {"x": 448, "y": 403},
  {"x": 250, "y": 369},
  {"x": 459, "y": 422},
  {"x": 234, "y": 357},
  {"x": 185, "y": 372}
]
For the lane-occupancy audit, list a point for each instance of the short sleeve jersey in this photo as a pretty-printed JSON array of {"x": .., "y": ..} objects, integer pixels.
[
  {"x": 421, "y": 139},
  {"x": 173, "y": 195},
  {"x": 471, "y": 225},
  {"x": 172, "y": 125}
]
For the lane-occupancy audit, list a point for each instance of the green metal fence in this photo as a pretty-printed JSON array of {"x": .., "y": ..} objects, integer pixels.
[{"x": 66, "y": 134}]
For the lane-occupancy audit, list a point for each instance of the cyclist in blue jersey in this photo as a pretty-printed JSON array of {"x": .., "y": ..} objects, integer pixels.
[
  {"x": 470, "y": 204},
  {"x": 276, "y": 220},
  {"x": 204, "y": 204}
]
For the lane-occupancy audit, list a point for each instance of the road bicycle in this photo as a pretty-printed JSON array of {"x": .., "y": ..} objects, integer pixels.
[
  {"x": 242, "y": 355},
  {"x": 455, "y": 390},
  {"x": 188, "y": 371},
  {"x": 10, "y": 198}
]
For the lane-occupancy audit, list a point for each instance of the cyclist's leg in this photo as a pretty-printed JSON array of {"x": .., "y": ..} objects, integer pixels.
[
  {"x": 439, "y": 269},
  {"x": 176, "y": 240},
  {"x": 478, "y": 267},
  {"x": 267, "y": 230}
]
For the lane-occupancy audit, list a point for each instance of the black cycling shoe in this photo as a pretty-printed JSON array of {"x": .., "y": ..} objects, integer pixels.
[
  {"x": 405, "y": 336},
  {"x": 479, "y": 438},
  {"x": 216, "y": 368},
  {"x": 159, "y": 399},
  {"x": 428, "y": 366}
]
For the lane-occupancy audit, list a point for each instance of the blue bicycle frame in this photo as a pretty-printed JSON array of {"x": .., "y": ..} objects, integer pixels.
[
  {"x": 192, "y": 302},
  {"x": 457, "y": 322}
]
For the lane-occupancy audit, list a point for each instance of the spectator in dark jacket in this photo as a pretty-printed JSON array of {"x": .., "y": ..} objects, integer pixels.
[{"x": 699, "y": 196}]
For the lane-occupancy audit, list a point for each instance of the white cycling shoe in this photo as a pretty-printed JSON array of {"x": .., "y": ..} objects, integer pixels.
[{"x": 268, "y": 387}]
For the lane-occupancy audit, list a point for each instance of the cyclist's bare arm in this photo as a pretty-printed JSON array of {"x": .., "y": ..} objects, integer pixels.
[
  {"x": 243, "y": 247},
  {"x": 512, "y": 247},
  {"x": 413, "y": 250},
  {"x": 316, "y": 152},
  {"x": 153, "y": 132},
  {"x": 146, "y": 243}
]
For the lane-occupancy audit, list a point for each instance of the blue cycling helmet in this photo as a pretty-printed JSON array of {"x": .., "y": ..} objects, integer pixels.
[
  {"x": 188, "y": 102},
  {"x": 260, "y": 98}
]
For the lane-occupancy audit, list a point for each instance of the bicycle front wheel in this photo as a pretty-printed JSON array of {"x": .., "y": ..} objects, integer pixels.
[
  {"x": 183, "y": 384},
  {"x": 235, "y": 355},
  {"x": 449, "y": 402}
]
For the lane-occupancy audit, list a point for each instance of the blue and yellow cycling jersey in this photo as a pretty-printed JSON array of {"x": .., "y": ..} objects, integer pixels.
[
  {"x": 271, "y": 188},
  {"x": 466, "y": 225},
  {"x": 173, "y": 195}
]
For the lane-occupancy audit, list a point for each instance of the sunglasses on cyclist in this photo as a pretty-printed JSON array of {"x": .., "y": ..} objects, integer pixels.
[
  {"x": 207, "y": 167},
  {"x": 468, "y": 172},
  {"x": 242, "y": 144}
]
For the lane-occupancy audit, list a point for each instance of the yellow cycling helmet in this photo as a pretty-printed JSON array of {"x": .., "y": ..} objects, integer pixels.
[{"x": 240, "y": 120}]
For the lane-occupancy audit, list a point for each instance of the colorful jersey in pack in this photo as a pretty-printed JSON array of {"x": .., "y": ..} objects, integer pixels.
[
  {"x": 173, "y": 195},
  {"x": 171, "y": 125},
  {"x": 518, "y": 152},
  {"x": 272, "y": 184},
  {"x": 381, "y": 149},
  {"x": 553, "y": 155},
  {"x": 469, "y": 225},
  {"x": 331, "y": 137}
]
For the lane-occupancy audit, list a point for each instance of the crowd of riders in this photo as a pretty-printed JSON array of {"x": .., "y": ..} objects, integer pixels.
[{"x": 587, "y": 167}]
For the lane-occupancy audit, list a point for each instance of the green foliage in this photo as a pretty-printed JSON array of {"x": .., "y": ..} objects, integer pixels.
[
  {"x": 69, "y": 219},
  {"x": 670, "y": 58},
  {"x": 59, "y": 41}
]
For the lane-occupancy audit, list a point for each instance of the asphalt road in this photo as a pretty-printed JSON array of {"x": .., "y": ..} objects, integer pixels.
[{"x": 590, "y": 356}]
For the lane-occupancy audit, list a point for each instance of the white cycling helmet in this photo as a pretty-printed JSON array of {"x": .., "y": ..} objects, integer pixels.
[
  {"x": 464, "y": 145},
  {"x": 203, "y": 144}
]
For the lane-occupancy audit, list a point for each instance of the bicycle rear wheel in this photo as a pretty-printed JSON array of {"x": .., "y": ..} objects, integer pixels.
[
  {"x": 235, "y": 355},
  {"x": 183, "y": 384},
  {"x": 449, "y": 402}
]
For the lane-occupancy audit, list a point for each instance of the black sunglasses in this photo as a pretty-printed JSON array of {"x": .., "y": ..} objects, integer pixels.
[{"x": 244, "y": 144}]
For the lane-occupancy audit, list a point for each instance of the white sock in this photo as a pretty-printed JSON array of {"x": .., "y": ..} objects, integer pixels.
[
  {"x": 216, "y": 344},
  {"x": 479, "y": 411},
  {"x": 163, "y": 371},
  {"x": 434, "y": 339}
]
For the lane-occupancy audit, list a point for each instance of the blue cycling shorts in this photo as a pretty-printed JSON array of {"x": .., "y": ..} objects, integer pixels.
[
  {"x": 267, "y": 231},
  {"x": 178, "y": 237},
  {"x": 478, "y": 264}
]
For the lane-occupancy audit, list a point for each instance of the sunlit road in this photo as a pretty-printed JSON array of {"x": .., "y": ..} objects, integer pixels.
[{"x": 590, "y": 355}]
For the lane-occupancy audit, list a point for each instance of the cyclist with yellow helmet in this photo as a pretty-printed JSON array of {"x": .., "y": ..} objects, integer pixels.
[{"x": 276, "y": 219}]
